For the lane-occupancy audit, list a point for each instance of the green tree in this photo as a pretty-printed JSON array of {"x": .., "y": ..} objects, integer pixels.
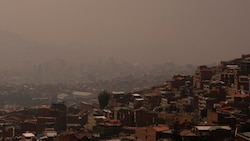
[
  {"x": 103, "y": 99},
  {"x": 176, "y": 130}
]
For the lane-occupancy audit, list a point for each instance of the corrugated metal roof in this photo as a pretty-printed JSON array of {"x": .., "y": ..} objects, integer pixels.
[
  {"x": 212, "y": 127},
  {"x": 28, "y": 135},
  {"x": 136, "y": 94}
]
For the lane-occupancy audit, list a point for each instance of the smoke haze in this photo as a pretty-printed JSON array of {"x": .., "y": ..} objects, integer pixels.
[{"x": 143, "y": 31}]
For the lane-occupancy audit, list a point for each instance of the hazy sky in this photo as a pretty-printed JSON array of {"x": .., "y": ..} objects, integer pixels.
[{"x": 190, "y": 31}]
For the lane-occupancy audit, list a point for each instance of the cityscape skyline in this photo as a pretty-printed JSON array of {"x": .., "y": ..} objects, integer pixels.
[{"x": 125, "y": 70}]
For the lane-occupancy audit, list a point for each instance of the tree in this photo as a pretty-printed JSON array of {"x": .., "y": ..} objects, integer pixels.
[
  {"x": 176, "y": 130},
  {"x": 103, "y": 99}
]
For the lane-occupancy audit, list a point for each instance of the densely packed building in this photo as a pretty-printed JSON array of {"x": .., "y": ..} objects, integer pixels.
[{"x": 213, "y": 104}]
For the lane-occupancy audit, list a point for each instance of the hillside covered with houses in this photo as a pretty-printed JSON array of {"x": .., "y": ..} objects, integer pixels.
[{"x": 211, "y": 104}]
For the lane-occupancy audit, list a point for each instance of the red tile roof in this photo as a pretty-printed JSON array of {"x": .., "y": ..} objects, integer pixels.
[
  {"x": 160, "y": 128},
  {"x": 242, "y": 95}
]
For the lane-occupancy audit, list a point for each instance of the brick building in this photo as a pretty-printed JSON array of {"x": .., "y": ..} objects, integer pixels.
[
  {"x": 143, "y": 117},
  {"x": 150, "y": 133}
]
